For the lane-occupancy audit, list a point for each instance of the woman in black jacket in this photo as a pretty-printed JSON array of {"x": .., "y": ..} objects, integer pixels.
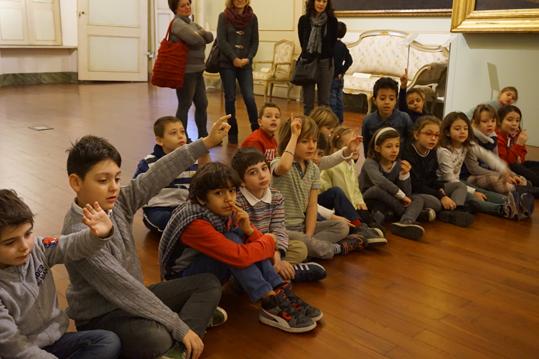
[
  {"x": 237, "y": 38},
  {"x": 317, "y": 31}
]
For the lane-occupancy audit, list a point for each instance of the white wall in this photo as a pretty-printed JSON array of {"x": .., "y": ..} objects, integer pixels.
[
  {"x": 69, "y": 18},
  {"x": 516, "y": 60}
]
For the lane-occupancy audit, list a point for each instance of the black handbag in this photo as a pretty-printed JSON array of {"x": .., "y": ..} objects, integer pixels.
[
  {"x": 212, "y": 62},
  {"x": 306, "y": 71}
]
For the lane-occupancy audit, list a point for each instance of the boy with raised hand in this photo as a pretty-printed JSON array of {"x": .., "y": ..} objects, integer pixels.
[
  {"x": 31, "y": 323},
  {"x": 265, "y": 206},
  {"x": 169, "y": 135},
  {"x": 385, "y": 94},
  {"x": 107, "y": 291}
]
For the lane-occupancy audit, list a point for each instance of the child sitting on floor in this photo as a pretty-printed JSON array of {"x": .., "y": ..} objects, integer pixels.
[
  {"x": 212, "y": 234},
  {"x": 32, "y": 324},
  {"x": 169, "y": 135},
  {"x": 411, "y": 101},
  {"x": 263, "y": 139}
]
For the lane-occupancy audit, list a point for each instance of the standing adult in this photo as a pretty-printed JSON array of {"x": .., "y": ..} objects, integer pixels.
[
  {"x": 193, "y": 90},
  {"x": 317, "y": 31},
  {"x": 237, "y": 38}
]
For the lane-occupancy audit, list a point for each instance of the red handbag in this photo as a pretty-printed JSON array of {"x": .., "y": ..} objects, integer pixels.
[{"x": 169, "y": 67}]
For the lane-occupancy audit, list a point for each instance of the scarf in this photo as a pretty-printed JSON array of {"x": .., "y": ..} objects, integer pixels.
[
  {"x": 314, "y": 46},
  {"x": 170, "y": 246},
  {"x": 239, "y": 21}
]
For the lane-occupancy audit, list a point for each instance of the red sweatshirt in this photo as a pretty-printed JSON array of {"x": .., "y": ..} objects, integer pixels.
[
  {"x": 261, "y": 141},
  {"x": 203, "y": 237},
  {"x": 509, "y": 150}
]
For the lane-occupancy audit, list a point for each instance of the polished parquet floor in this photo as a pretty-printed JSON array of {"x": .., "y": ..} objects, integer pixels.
[{"x": 456, "y": 293}]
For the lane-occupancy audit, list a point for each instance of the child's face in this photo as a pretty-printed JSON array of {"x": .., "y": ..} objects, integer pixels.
[
  {"x": 257, "y": 177},
  {"x": 16, "y": 243},
  {"x": 507, "y": 98},
  {"x": 487, "y": 123},
  {"x": 326, "y": 131},
  {"x": 220, "y": 201},
  {"x": 385, "y": 102},
  {"x": 101, "y": 184},
  {"x": 305, "y": 149},
  {"x": 270, "y": 121},
  {"x": 428, "y": 136},
  {"x": 458, "y": 131},
  {"x": 511, "y": 123},
  {"x": 317, "y": 156},
  {"x": 389, "y": 149},
  {"x": 415, "y": 102},
  {"x": 173, "y": 137}
]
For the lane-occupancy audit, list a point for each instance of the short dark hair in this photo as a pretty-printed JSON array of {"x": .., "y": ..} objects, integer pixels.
[
  {"x": 504, "y": 110},
  {"x": 322, "y": 144},
  {"x": 245, "y": 158},
  {"x": 385, "y": 83},
  {"x": 265, "y": 106},
  {"x": 159, "y": 125},
  {"x": 341, "y": 29},
  {"x": 379, "y": 138},
  {"x": 445, "y": 128},
  {"x": 309, "y": 8},
  {"x": 13, "y": 211},
  {"x": 212, "y": 175},
  {"x": 87, "y": 152},
  {"x": 173, "y": 5}
]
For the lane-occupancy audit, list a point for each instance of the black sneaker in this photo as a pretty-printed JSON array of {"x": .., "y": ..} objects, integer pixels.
[
  {"x": 373, "y": 236},
  {"x": 352, "y": 242},
  {"x": 427, "y": 215},
  {"x": 218, "y": 318},
  {"x": 526, "y": 200},
  {"x": 456, "y": 217},
  {"x": 308, "y": 310},
  {"x": 309, "y": 272},
  {"x": 277, "y": 311},
  {"x": 410, "y": 230}
]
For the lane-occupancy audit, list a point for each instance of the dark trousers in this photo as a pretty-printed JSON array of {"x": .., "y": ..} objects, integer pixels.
[
  {"x": 245, "y": 80},
  {"x": 528, "y": 169},
  {"x": 334, "y": 198},
  {"x": 156, "y": 218},
  {"x": 193, "y": 91},
  {"x": 86, "y": 345},
  {"x": 323, "y": 83},
  {"x": 336, "y": 99}
]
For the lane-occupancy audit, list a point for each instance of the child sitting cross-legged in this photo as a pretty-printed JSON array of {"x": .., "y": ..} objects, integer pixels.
[
  {"x": 31, "y": 323},
  {"x": 212, "y": 234},
  {"x": 169, "y": 135},
  {"x": 265, "y": 206}
]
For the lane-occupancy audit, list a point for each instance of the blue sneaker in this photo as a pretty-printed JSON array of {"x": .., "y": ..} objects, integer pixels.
[{"x": 309, "y": 272}]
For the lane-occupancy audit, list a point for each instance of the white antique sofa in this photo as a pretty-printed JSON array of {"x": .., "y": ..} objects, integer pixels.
[{"x": 386, "y": 53}]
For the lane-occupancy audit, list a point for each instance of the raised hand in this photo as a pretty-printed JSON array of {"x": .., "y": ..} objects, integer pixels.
[
  {"x": 354, "y": 144},
  {"x": 97, "y": 220},
  {"x": 295, "y": 126},
  {"x": 218, "y": 131},
  {"x": 404, "y": 79}
]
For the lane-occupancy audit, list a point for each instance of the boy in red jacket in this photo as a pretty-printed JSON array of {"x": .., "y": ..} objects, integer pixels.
[{"x": 212, "y": 234}]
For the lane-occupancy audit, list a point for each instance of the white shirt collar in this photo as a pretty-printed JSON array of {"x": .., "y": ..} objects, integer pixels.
[{"x": 252, "y": 199}]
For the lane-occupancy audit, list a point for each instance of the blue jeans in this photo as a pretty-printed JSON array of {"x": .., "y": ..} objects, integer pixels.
[
  {"x": 89, "y": 344},
  {"x": 336, "y": 98},
  {"x": 193, "y": 91},
  {"x": 335, "y": 198},
  {"x": 156, "y": 218},
  {"x": 494, "y": 203},
  {"x": 257, "y": 279},
  {"x": 245, "y": 80}
]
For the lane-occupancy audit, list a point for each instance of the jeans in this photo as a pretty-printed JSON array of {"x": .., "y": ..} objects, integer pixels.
[
  {"x": 325, "y": 74},
  {"x": 194, "y": 299},
  {"x": 335, "y": 198},
  {"x": 89, "y": 344},
  {"x": 256, "y": 280},
  {"x": 494, "y": 204},
  {"x": 245, "y": 80},
  {"x": 336, "y": 100},
  {"x": 193, "y": 91},
  {"x": 379, "y": 199},
  {"x": 156, "y": 218}
]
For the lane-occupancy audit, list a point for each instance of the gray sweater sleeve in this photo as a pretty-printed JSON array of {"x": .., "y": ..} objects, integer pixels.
[
  {"x": 332, "y": 160},
  {"x": 141, "y": 189},
  {"x": 14, "y": 345},
  {"x": 187, "y": 34},
  {"x": 476, "y": 153},
  {"x": 114, "y": 283},
  {"x": 71, "y": 247},
  {"x": 372, "y": 169}
]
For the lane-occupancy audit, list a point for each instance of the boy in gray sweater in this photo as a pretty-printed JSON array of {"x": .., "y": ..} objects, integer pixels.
[
  {"x": 107, "y": 291},
  {"x": 31, "y": 323}
]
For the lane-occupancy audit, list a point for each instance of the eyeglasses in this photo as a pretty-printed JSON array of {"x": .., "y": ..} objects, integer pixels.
[{"x": 430, "y": 134}]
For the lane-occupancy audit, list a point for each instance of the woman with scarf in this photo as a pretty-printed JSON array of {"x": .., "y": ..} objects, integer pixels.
[
  {"x": 317, "y": 31},
  {"x": 237, "y": 38},
  {"x": 194, "y": 89}
]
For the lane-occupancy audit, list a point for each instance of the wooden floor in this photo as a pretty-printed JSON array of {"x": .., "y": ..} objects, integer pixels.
[{"x": 457, "y": 293}]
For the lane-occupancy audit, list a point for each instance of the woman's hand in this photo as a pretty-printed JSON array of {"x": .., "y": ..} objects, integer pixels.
[{"x": 237, "y": 62}]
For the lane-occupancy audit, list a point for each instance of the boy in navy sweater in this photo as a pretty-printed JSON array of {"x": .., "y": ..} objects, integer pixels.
[{"x": 343, "y": 61}]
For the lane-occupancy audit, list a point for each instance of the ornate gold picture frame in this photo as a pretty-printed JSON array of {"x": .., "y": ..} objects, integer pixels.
[{"x": 465, "y": 18}]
